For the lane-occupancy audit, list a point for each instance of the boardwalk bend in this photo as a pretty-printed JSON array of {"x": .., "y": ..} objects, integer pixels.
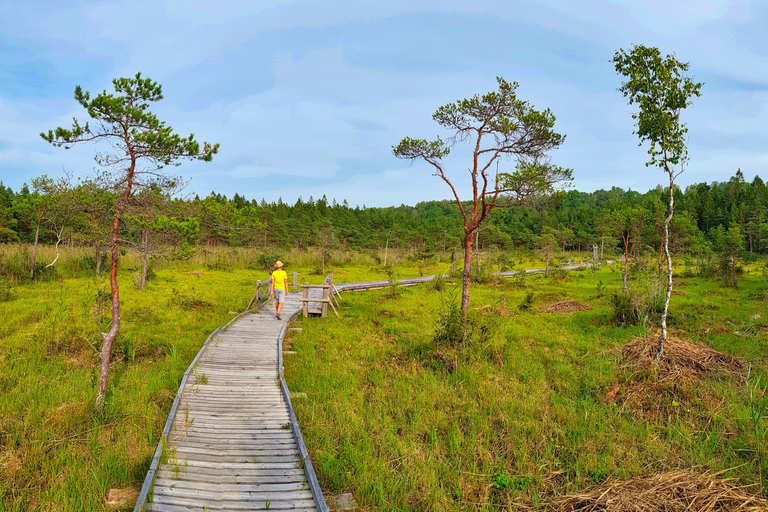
[{"x": 231, "y": 441}]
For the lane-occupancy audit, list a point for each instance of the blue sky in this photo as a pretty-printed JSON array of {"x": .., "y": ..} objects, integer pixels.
[{"x": 307, "y": 98}]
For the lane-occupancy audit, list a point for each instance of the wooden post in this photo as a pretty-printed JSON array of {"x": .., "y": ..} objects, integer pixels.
[
  {"x": 326, "y": 299},
  {"x": 295, "y": 281},
  {"x": 305, "y": 297},
  {"x": 255, "y": 297}
]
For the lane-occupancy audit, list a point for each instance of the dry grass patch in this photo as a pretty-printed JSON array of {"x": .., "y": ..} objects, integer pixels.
[
  {"x": 565, "y": 306},
  {"x": 680, "y": 357},
  {"x": 677, "y": 491},
  {"x": 669, "y": 389}
]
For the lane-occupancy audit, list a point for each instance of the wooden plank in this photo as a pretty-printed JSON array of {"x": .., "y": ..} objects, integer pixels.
[
  {"x": 246, "y": 496},
  {"x": 163, "y": 503},
  {"x": 228, "y": 448},
  {"x": 223, "y": 488}
]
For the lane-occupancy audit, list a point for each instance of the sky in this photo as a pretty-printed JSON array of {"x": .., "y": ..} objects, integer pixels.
[{"x": 307, "y": 98}]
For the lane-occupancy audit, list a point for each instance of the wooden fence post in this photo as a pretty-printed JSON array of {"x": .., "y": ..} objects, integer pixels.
[
  {"x": 295, "y": 281},
  {"x": 256, "y": 297},
  {"x": 326, "y": 299},
  {"x": 305, "y": 297}
]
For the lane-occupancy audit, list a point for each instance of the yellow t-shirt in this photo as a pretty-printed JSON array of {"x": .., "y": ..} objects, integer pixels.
[{"x": 279, "y": 277}]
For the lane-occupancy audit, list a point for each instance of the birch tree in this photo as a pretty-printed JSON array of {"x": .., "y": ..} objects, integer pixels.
[{"x": 662, "y": 90}]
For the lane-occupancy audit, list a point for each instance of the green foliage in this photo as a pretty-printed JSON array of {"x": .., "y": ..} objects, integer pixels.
[
  {"x": 527, "y": 302},
  {"x": 502, "y": 481},
  {"x": 6, "y": 291},
  {"x": 88, "y": 262},
  {"x": 393, "y": 289},
  {"x": 266, "y": 261},
  {"x": 758, "y": 400},
  {"x": 482, "y": 274},
  {"x": 637, "y": 307},
  {"x": 458, "y": 329},
  {"x": 661, "y": 90},
  {"x": 8, "y": 236},
  {"x": 125, "y": 120},
  {"x": 437, "y": 284}
]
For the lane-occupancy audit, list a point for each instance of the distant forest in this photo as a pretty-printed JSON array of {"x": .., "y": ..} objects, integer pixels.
[{"x": 707, "y": 217}]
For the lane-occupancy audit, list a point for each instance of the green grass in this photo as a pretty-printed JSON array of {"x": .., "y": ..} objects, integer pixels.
[
  {"x": 56, "y": 451},
  {"x": 405, "y": 424}
]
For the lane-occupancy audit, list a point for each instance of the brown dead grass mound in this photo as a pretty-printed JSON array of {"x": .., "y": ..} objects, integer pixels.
[
  {"x": 565, "y": 306},
  {"x": 682, "y": 491},
  {"x": 680, "y": 356}
]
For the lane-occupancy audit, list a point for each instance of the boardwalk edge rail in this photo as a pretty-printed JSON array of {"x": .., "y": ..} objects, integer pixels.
[
  {"x": 149, "y": 481},
  {"x": 314, "y": 485}
]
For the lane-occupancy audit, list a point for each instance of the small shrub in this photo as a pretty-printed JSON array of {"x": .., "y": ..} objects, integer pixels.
[
  {"x": 89, "y": 262},
  {"x": 625, "y": 309},
  {"x": 527, "y": 302},
  {"x": 556, "y": 270},
  {"x": 455, "y": 328},
  {"x": 437, "y": 284},
  {"x": 394, "y": 289},
  {"x": 483, "y": 275},
  {"x": 502, "y": 481},
  {"x": 266, "y": 261},
  {"x": 6, "y": 292}
]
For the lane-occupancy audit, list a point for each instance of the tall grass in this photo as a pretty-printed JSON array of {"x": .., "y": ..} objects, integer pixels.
[
  {"x": 56, "y": 451},
  {"x": 407, "y": 422}
]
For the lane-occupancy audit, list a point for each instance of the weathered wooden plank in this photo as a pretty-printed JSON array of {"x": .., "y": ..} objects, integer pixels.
[
  {"x": 233, "y": 495},
  {"x": 180, "y": 505},
  {"x": 222, "y": 489},
  {"x": 233, "y": 476},
  {"x": 188, "y": 449},
  {"x": 229, "y": 448}
]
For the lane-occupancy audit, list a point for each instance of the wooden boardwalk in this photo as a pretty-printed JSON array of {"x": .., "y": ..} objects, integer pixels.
[{"x": 234, "y": 442}]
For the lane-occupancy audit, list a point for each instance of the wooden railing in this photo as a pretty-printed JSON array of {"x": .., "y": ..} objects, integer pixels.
[{"x": 328, "y": 295}]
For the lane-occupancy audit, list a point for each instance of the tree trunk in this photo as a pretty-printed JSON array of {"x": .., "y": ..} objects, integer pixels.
[
  {"x": 467, "y": 271},
  {"x": 323, "y": 270},
  {"x": 668, "y": 294},
  {"x": 34, "y": 248},
  {"x": 546, "y": 265},
  {"x": 109, "y": 337},
  {"x": 733, "y": 271},
  {"x": 144, "y": 253},
  {"x": 602, "y": 245},
  {"x": 477, "y": 248},
  {"x": 626, "y": 266}
]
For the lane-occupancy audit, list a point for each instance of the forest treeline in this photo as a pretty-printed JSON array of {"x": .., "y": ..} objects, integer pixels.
[{"x": 709, "y": 218}]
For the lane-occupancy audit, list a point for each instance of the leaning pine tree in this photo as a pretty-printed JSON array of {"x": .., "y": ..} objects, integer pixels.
[
  {"x": 141, "y": 146},
  {"x": 498, "y": 126},
  {"x": 662, "y": 90}
]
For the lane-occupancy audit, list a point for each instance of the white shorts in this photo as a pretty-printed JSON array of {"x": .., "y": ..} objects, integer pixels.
[{"x": 279, "y": 295}]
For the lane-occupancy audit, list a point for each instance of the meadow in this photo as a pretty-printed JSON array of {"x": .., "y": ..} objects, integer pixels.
[
  {"x": 526, "y": 406},
  {"x": 533, "y": 404}
]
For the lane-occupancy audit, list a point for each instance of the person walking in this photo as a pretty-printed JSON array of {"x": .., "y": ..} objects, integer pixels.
[{"x": 278, "y": 286}]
